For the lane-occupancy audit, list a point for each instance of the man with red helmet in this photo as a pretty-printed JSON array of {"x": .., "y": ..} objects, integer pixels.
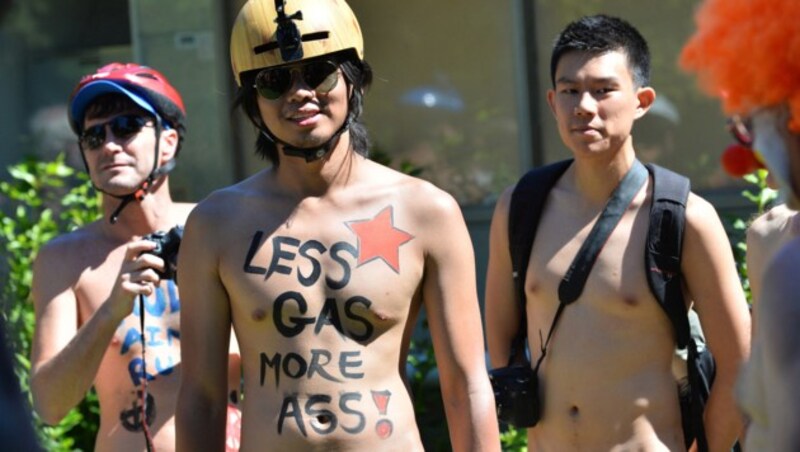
[
  {"x": 102, "y": 297},
  {"x": 323, "y": 262},
  {"x": 747, "y": 53}
]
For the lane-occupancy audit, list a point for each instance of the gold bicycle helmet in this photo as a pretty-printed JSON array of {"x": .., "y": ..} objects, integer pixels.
[{"x": 270, "y": 33}]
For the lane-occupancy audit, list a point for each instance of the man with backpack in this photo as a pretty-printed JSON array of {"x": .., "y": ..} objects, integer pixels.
[{"x": 600, "y": 328}]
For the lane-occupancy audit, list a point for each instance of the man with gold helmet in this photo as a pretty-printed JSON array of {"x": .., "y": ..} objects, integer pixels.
[
  {"x": 747, "y": 53},
  {"x": 323, "y": 261}
]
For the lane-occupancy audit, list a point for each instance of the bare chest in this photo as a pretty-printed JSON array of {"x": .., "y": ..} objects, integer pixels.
[
  {"x": 354, "y": 275},
  {"x": 617, "y": 278},
  {"x": 153, "y": 324}
]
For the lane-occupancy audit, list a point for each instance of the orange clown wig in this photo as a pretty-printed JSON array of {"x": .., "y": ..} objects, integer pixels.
[{"x": 747, "y": 52}]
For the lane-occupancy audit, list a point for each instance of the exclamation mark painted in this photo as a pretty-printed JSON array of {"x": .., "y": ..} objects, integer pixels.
[{"x": 384, "y": 427}]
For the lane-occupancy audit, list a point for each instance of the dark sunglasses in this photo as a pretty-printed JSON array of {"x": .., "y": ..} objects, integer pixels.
[
  {"x": 321, "y": 76},
  {"x": 123, "y": 127},
  {"x": 741, "y": 130}
]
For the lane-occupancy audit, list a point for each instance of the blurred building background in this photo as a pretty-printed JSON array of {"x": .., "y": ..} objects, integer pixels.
[{"x": 459, "y": 88}]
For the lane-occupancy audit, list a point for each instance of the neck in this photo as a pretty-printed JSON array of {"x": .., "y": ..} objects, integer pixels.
[
  {"x": 596, "y": 178},
  {"x": 317, "y": 177},
  {"x": 139, "y": 218}
]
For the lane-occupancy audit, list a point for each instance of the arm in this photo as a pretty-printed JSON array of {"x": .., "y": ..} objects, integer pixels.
[
  {"x": 234, "y": 371},
  {"x": 451, "y": 304},
  {"x": 502, "y": 311},
  {"x": 780, "y": 339},
  {"x": 713, "y": 283},
  {"x": 205, "y": 340},
  {"x": 64, "y": 357}
]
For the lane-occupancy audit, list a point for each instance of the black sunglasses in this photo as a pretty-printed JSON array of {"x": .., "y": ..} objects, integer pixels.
[
  {"x": 123, "y": 127},
  {"x": 320, "y": 75}
]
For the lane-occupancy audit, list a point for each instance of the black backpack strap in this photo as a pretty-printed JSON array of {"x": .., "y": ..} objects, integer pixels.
[
  {"x": 527, "y": 203},
  {"x": 663, "y": 264},
  {"x": 664, "y": 244}
]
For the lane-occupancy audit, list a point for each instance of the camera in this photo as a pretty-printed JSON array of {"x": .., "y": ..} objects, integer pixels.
[
  {"x": 167, "y": 245},
  {"x": 516, "y": 395}
]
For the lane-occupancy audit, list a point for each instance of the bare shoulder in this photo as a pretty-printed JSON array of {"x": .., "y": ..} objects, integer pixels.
[
  {"x": 698, "y": 207},
  {"x": 781, "y": 274},
  {"x": 428, "y": 203},
  {"x": 772, "y": 221},
  {"x": 70, "y": 247},
  {"x": 61, "y": 261},
  {"x": 226, "y": 203},
  {"x": 701, "y": 216}
]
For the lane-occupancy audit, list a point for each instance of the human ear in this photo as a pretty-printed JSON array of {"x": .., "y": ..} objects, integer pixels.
[
  {"x": 551, "y": 100},
  {"x": 645, "y": 96},
  {"x": 169, "y": 144}
]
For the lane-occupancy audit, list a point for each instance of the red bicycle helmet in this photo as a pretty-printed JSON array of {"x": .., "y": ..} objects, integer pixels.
[
  {"x": 148, "y": 89},
  {"x": 145, "y": 86}
]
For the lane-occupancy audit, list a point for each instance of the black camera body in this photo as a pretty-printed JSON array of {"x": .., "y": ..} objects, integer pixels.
[
  {"x": 167, "y": 246},
  {"x": 516, "y": 395}
]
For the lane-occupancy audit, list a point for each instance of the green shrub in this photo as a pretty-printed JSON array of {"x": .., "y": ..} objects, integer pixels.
[{"x": 42, "y": 200}]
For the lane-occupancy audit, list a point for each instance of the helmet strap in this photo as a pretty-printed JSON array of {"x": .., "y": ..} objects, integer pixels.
[{"x": 310, "y": 154}]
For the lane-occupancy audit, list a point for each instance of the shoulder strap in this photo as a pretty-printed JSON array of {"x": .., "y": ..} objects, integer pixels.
[
  {"x": 664, "y": 244},
  {"x": 663, "y": 265},
  {"x": 527, "y": 203}
]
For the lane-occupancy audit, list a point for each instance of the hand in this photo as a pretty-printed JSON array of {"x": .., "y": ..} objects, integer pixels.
[{"x": 137, "y": 276}]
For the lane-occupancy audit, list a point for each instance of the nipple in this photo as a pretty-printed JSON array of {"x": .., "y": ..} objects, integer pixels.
[{"x": 259, "y": 315}]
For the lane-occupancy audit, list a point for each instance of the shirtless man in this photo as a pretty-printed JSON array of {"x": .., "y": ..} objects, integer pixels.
[
  {"x": 87, "y": 283},
  {"x": 768, "y": 95},
  {"x": 606, "y": 379},
  {"x": 323, "y": 261}
]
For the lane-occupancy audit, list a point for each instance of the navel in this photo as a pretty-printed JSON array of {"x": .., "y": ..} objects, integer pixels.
[
  {"x": 574, "y": 412},
  {"x": 322, "y": 421}
]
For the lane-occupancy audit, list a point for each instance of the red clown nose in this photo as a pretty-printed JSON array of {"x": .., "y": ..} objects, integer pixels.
[{"x": 739, "y": 160}]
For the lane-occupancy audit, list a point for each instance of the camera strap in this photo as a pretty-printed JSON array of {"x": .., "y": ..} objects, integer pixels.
[
  {"x": 572, "y": 285},
  {"x": 145, "y": 428}
]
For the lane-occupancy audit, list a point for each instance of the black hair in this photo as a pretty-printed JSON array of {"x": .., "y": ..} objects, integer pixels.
[
  {"x": 116, "y": 103},
  {"x": 358, "y": 76},
  {"x": 600, "y": 34}
]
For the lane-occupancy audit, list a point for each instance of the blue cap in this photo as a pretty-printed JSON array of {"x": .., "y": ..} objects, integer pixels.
[{"x": 90, "y": 92}]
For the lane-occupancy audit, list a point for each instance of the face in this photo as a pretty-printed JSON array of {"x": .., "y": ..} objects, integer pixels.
[
  {"x": 780, "y": 149},
  {"x": 304, "y": 115},
  {"x": 595, "y": 102},
  {"x": 119, "y": 150}
]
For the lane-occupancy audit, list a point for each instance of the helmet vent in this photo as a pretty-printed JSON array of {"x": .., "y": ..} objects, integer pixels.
[{"x": 146, "y": 75}]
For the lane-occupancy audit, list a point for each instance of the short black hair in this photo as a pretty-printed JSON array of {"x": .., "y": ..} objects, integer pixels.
[
  {"x": 358, "y": 76},
  {"x": 600, "y": 34}
]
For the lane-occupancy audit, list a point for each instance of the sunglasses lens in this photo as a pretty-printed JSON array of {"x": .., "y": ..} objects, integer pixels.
[
  {"x": 93, "y": 137},
  {"x": 126, "y": 126},
  {"x": 123, "y": 127},
  {"x": 321, "y": 75},
  {"x": 273, "y": 83}
]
